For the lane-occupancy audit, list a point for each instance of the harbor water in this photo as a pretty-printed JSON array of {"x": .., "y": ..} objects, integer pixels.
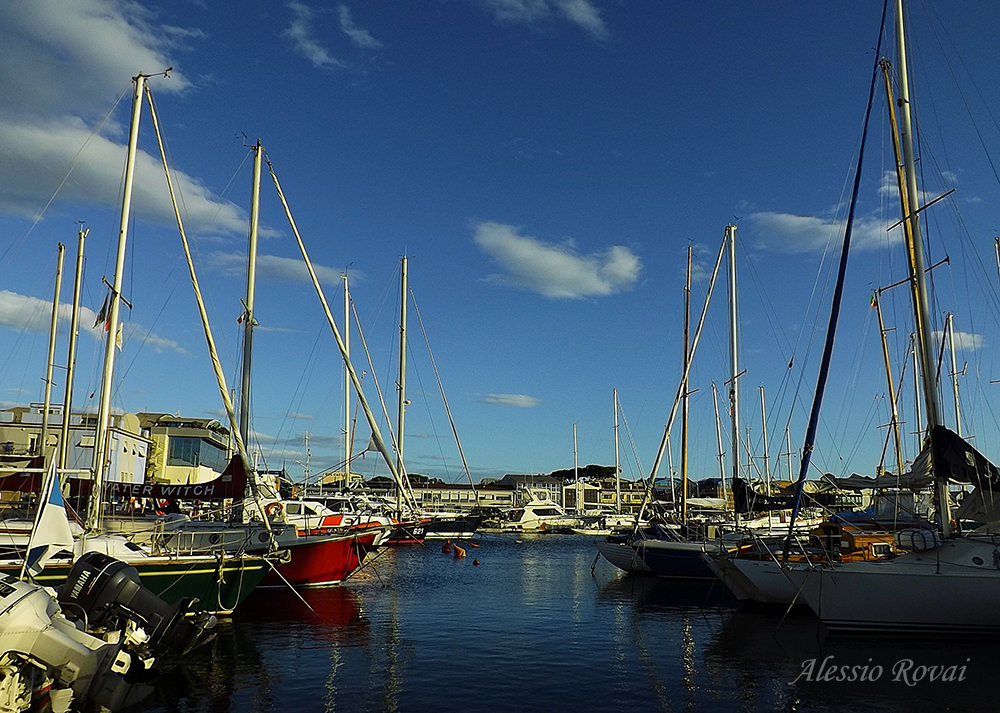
[{"x": 541, "y": 624}]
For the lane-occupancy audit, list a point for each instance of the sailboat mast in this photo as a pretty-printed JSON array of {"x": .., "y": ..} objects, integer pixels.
[
  {"x": 917, "y": 267},
  {"x": 618, "y": 481},
  {"x": 763, "y": 430},
  {"x": 401, "y": 384},
  {"x": 718, "y": 440},
  {"x": 347, "y": 384},
  {"x": 71, "y": 356},
  {"x": 894, "y": 412},
  {"x": 248, "y": 306},
  {"x": 53, "y": 328},
  {"x": 950, "y": 326},
  {"x": 114, "y": 308},
  {"x": 734, "y": 363},
  {"x": 686, "y": 393},
  {"x": 400, "y": 414}
]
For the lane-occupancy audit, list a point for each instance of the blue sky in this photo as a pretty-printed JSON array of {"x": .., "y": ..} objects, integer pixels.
[{"x": 544, "y": 164}]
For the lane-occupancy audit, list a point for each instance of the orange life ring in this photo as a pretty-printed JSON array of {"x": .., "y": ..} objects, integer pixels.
[{"x": 273, "y": 510}]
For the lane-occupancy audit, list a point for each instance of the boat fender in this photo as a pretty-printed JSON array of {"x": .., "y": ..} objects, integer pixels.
[{"x": 273, "y": 510}]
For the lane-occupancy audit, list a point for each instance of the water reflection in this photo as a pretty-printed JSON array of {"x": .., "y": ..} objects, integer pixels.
[{"x": 537, "y": 627}]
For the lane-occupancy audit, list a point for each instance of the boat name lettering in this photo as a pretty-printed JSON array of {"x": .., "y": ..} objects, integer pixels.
[
  {"x": 905, "y": 671},
  {"x": 136, "y": 490}
]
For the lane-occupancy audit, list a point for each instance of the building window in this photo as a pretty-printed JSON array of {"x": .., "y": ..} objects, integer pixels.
[{"x": 193, "y": 452}]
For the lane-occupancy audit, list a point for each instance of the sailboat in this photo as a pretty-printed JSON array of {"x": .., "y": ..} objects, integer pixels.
[
  {"x": 946, "y": 582},
  {"x": 219, "y": 581}
]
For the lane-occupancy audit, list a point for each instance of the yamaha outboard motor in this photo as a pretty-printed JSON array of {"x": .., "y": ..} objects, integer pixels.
[
  {"x": 109, "y": 595},
  {"x": 96, "y": 650}
]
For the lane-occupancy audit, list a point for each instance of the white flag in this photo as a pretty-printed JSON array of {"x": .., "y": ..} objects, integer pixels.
[{"x": 51, "y": 532}]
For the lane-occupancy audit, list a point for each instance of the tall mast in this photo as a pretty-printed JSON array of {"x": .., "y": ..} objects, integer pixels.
[
  {"x": 763, "y": 430},
  {"x": 950, "y": 326},
  {"x": 71, "y": 356},
  {"x": 917, "y": 268},
  {"x": 402, "y": 367},
  {"x": 718, "y": 440},
  {"x": 734, "y": 363},
  {"x": 894, "y": 411},
  {"x": 249, "y": 321},
  {"x": 53, "y": 329},
  {"x": 685, "y": 395},
  {"x": 347, "y": 385},
  {"x": 788, "y": 447},
  {"x": 114, "y": 308},
  {"x": 618, "y": 483}
]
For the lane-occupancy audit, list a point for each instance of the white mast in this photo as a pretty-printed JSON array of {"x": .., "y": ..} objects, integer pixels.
[
  {"x": 107, "y": 372},
  {"x": 718, "y": 440},
  {"x": 734, "y": 387},
  {"x": 347, "y": 384},
  {"x": 53, "y": 328},
  {"x": 71, "y": 356},
  {"x": 763, "y": 430},
  {"x": 401, "y": 384},
  {"x": 618, "y": 483},
  {"x": 249, "y": 321},
  {"x": 950, "y": 326}
]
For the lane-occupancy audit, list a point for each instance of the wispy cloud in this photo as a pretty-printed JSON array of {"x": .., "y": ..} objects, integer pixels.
[
  {"x": 789, "y": 233},
  {"x": 585, "y": 14},
  {"x": 360, "y": 37},
  {"x": 556, "y": 271},
  {"x": 24, "y": 313},
  {"x": 82, "y": 56},
  {"x": 582, "y": 13},
  {"x": 272, "y": 267},
  {"x": 518, "y": 400},
  {"x": 301, "y": 416},
  {"x": 301, "y": 34}
]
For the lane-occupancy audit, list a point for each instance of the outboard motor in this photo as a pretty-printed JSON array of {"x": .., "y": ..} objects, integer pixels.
[
  {"x": 109, "y": 594},
  {"x": 97, "y": 650}
]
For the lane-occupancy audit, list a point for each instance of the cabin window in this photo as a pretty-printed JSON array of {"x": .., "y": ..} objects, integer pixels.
[
  {"x": 293, "y": 508},
  {"x": 881, "y": 549}
]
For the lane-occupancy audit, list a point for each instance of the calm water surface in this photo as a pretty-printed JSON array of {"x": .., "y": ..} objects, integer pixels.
[{"x": 538, "y": 626}]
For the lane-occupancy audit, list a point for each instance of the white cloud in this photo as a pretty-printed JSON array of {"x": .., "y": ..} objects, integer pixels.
[
  {"x": 964, "y": 341},
  {"x": 518, "y": 400},
  {"x": 585, "y": 14},
  {"x": 582, "y": 13},
  {"x": 272, "y": 267},
  {"x": 791, "y": 233},
  {"x": 64, "y": 64},
  {"x": 557, "y": 271},
  {"x": 301, "y": 416},
  {"x": 360, "y": 37},
  {"x": 38, "y": 153},
  {"x": 24, "y": 313},
  {"x": 301, "y": 34},
  {"x": 59, "y": 57}
]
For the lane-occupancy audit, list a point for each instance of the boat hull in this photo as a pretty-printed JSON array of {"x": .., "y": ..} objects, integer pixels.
[
  {"x": 219, "y": 584},
  {"x": 677, "y": 560},
  {"x": 323, "y": 560},
  {"x": 949, "y": 589},
  {"x": 623, "y": 556},
  {"x": 453, "y": 527}
]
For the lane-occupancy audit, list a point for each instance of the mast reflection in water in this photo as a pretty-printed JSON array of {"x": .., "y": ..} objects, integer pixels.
[{"x": 539, "y": 626}]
